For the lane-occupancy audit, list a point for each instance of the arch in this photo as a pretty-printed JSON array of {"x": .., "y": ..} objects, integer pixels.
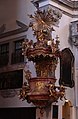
[{"x": 66, "y": 68}]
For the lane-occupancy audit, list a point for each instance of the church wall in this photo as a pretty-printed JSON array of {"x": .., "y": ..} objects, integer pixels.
[{"x": 18, "y": 10}]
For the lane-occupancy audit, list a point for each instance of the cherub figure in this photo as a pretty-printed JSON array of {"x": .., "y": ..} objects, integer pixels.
[
  {"x": 24, "y": 91},
  {"x": 27, "y": 74},
  {"x": 51, "y": 87},
  {"x": 62, "y": 92}
]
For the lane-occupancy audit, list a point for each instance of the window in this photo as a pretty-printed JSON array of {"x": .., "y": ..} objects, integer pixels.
[
  {"x": 17, "y": 56},
  {"x": 18, "y": 45},
  {"x": 4, "y": 54},
  {"x": 4, "y": 48}
]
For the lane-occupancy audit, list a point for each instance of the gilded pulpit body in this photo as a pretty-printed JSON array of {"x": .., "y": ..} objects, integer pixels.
[{"x": 44, "y": 53}]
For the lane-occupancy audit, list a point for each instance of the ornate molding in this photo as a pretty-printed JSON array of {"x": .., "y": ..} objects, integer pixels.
[
  {"x": 73, "y": 37},
  {"x": 70, "y": 4},
  {"x": 22, "y": 28},
  {"x": 66, "y": 3}
]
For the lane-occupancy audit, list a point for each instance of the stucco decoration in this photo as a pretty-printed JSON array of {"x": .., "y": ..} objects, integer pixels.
[{"x": 73, "y": 36}]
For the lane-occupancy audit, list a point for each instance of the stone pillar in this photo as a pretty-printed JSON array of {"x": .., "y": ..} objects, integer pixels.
[{"x": 45, "y": 113}]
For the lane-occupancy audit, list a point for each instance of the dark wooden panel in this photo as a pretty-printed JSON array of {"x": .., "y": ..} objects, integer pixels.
[
  {"x": 18, "y": 113},
  {"x": 66, "y": 68},
  {"x": 11, "y": 80}
]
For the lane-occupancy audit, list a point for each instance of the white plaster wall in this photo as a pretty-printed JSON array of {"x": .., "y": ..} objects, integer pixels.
[{"x": 63, "y": 33}]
